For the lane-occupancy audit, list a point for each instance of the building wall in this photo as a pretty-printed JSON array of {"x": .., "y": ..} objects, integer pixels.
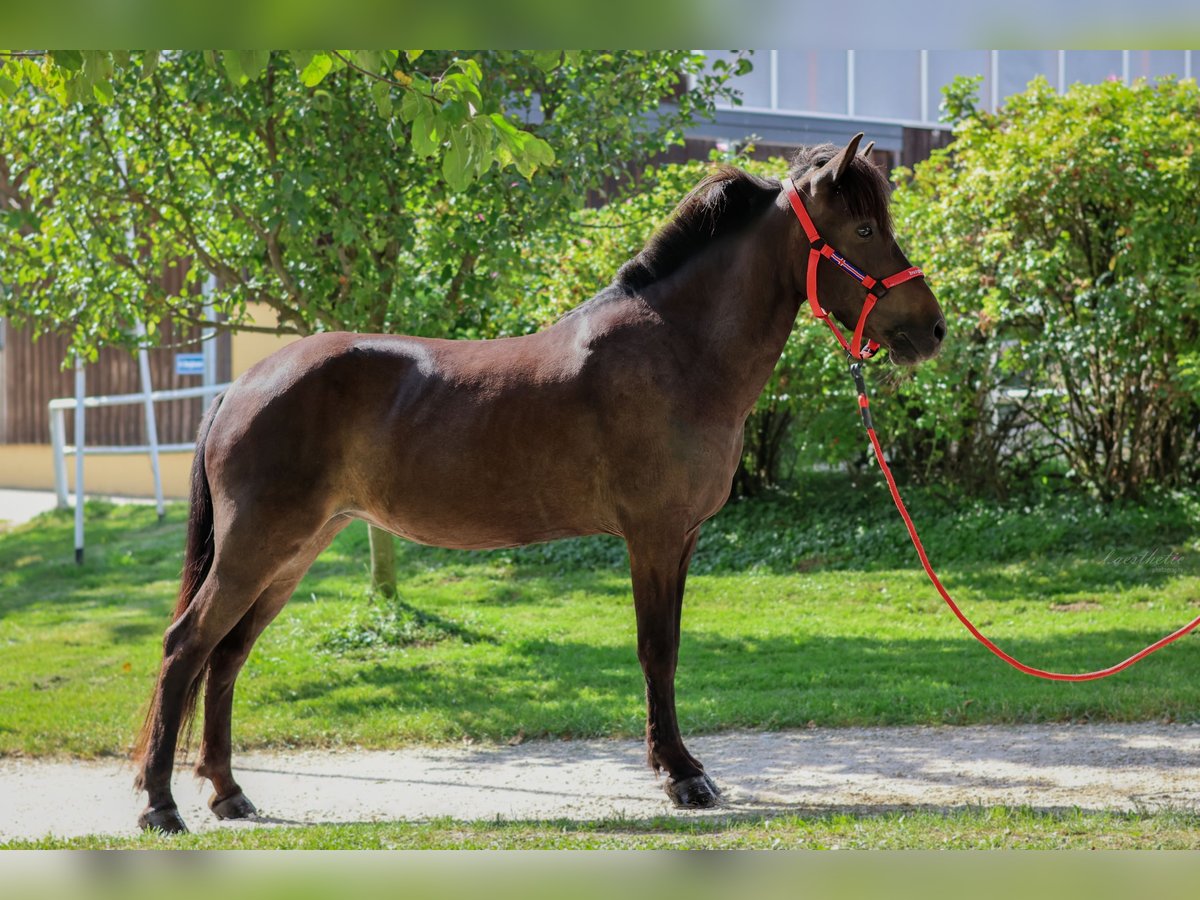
[
  {"x": 33, "y": 376},
  {"x": 29, "y": 463},
  {"x": 905, "y": 86}
]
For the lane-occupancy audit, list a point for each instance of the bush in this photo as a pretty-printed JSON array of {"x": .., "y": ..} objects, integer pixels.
[{"x": 1062, "y": 237}]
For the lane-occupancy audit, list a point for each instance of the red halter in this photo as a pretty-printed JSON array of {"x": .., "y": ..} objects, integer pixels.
[{"x": 876, "y": 288}]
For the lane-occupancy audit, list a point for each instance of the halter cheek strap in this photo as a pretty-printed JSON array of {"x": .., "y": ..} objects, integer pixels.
[{"x": 876, "y": 288}]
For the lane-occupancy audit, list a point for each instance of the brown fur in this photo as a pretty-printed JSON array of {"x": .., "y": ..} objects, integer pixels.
[
  {"x": 197, "y": 558},
  {"x": 624, "y": 417}
]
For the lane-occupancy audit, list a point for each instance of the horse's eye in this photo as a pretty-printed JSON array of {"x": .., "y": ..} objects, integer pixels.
[{"x": 865, "y": 231}]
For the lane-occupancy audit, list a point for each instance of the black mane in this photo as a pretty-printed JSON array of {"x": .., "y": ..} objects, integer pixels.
[
  {"x": 721, "y": 204},
  {"x": 729, "y": 198}
]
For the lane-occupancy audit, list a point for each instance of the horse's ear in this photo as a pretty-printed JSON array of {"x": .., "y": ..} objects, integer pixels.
[
  {"x": 828, "y": 176},
  {"x": 866, "y": 151}
]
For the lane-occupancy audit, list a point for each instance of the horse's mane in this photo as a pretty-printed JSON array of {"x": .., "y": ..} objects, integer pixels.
[
  {"x": 725, "y": 201},
  {"x": 729, "y": 198}
]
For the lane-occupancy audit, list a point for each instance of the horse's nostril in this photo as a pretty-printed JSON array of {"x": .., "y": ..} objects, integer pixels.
[{"x": 939, "y": 330}]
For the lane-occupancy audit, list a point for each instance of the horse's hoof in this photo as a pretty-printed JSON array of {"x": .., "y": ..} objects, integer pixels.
[
  {"x": 697, "y": 792},
  {"x": 168, "y": 820},
  {"x": 235, "y": 806}
]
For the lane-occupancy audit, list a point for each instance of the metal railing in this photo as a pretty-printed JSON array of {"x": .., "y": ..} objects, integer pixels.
[{"x": 79, "y": 403}]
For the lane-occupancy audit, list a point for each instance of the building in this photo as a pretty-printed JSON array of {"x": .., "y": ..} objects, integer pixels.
[
  {"x": 31, "y": 375},
  {"x": 791, "y": 98},
  {"x": 798, "y": 97}
]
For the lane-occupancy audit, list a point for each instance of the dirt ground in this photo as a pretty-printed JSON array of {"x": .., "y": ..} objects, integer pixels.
[{"x": 1115, "y": 767}]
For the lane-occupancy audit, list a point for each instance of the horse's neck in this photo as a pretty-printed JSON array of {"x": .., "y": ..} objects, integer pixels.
[{"x": 734, "y": 308}]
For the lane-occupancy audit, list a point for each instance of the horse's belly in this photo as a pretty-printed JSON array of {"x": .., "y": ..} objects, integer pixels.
[
  {"x": 485, "y": 507},
  {"x": 477, "y": 538},
  {"x": 483, "y": 528}
]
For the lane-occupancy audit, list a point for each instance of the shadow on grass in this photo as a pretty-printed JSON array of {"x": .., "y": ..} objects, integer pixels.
[
  {"x": 127, "y": 548},
  {"x": 565, "y": 688}
]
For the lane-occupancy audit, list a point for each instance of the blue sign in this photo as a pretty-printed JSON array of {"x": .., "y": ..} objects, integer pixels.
[{"x": 189, "y": 363}]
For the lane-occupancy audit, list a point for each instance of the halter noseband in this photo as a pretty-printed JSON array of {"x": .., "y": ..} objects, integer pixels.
[{"x": 876, "y": 288}]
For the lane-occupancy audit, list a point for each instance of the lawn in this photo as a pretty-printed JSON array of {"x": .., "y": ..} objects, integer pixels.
[
  {"x": 965, "y": 829},
  {"x": 801, "y": 608}
]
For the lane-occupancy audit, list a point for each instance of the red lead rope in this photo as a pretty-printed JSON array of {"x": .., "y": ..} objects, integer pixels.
[
  {"x": 876, "y": 288},
  {"x": 864, "y": 406}
]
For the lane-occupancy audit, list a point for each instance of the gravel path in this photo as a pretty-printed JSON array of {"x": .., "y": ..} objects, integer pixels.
[{"x": 1120, "y": 767}]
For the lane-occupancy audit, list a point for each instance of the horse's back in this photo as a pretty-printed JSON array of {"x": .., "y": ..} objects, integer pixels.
[
  {"x": 471, "y": 443},
  {"x": 459, "y": 443}
]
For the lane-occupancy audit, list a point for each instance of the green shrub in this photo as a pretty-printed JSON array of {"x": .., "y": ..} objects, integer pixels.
[{"x": 1062, "y": 236}]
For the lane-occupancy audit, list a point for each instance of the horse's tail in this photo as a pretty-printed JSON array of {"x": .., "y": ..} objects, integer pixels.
[{"x": 197, "y": 560}]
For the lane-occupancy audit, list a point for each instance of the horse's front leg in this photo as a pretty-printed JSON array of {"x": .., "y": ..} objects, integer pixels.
[{"x": 659, "y": 563}]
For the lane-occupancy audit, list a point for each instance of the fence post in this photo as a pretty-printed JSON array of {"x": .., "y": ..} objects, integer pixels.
[
  {"x": 58, "y": 439},
  {"x": 208, "y": 340},
  {"x": 80, "y": 394},
  {"x": 151, "y": 422}
]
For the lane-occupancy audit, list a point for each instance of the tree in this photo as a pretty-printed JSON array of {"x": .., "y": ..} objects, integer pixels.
[
  {"x": 338, "y": 197},
  {"x": 1062, "y": 235}
]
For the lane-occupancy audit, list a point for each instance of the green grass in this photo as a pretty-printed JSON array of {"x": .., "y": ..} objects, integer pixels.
[
  {"x": 971, "y": 829},
  {"x": 798, "y": 610}
]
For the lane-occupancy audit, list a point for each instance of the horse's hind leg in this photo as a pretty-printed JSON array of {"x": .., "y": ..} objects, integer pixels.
[
  {"x": 222, "y": 600},
  {"x": 214, "y": 761},
  {"x": 659, "y": 564}
]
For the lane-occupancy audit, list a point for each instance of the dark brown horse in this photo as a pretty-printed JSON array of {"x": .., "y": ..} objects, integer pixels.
[{"x": 625, "y": 417}]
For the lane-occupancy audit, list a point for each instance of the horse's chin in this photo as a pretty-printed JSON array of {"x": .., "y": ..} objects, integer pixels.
[
  {"x": 904, "y": 352},
  {"x": 904, "y": 357}
]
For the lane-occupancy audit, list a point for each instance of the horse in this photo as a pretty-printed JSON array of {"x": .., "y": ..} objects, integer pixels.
[{"x": 624, "y": 417}]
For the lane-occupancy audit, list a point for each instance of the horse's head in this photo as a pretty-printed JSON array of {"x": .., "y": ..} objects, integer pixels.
[{"x": 846, "y": 197}]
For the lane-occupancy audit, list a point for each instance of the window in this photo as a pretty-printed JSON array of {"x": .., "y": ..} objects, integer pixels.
[
  {"x": 812, "y": 80},
  {"x": 1153, "y": 64},
  {"x": 945, "y": 65},
  {"x": 755, "y": 88},
  {"x": 887, "y": 84},
  {"x": 1093, "y": 66},
  {"x": 1019, "y": 67}
]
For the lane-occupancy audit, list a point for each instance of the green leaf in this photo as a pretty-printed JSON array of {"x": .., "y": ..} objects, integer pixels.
[
  {"x": 301, "y": 58},
  {"x": 396, "y": 131},
  {"x": 470, "y": 68},
  {"x": 78, "y": 90},
  {"x": 424, "y": 132},
  {"x": 540, "y": 152},
  {"x": 253, "y": 62},
  {"x": 547, "y": 60},
  {"x": 506, "y": 130},
  {"x": 149, "y": 63},
  {"x": 413, "y": 55},
  {"x": 316, "y": 70},
  {"x": 103, "y": 91},
  {"x": 8, "y": 87},
  {"x": 371, "y": 60},
  {"x": 381, "y": 93},
  {"x": 483, "y": 142},
  {"x": 410, "y": 105},
  {"x": 233, "y": 67},
  {"x": 456, "y": 161},
  {"x": 67, "y": 60}
]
